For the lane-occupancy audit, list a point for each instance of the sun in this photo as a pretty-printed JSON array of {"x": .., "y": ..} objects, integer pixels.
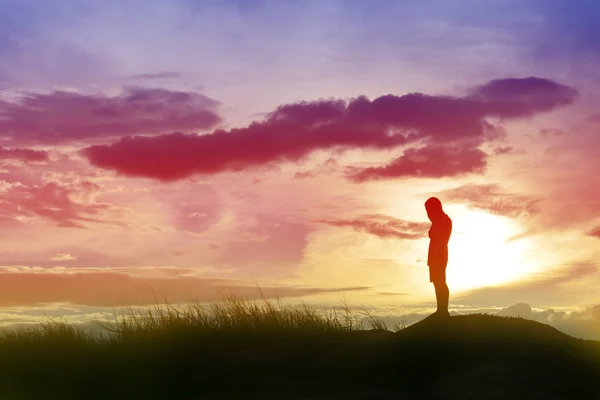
[{"x": 480, "y": 253}]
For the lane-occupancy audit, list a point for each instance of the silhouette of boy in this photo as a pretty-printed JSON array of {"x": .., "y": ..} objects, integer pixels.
[{"x": 437, "y": 258}]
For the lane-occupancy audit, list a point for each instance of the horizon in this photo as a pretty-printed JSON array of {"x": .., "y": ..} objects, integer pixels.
[{"x": 173, "y": 150}]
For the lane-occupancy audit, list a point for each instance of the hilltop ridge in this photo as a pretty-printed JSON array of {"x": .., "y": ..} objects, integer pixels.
[{"x": 458, "y": 357}]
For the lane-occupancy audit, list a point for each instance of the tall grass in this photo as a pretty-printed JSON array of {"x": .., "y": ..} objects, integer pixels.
[
  {"x": 231, "y": 316},
  {"x": 189, "y": 348},
  {"x": 237, "y": 346}
]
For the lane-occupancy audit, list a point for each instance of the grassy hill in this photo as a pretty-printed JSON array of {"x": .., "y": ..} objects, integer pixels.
[{"x": 243, "y": 350}]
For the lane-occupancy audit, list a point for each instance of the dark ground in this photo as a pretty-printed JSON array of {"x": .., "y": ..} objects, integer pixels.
[{"x": 461, "y": 357}]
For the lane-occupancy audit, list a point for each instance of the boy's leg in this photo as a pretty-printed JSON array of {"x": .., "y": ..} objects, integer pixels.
[
  {"x": 438, "y": 296},
  {"x": 442, "y": 294}
]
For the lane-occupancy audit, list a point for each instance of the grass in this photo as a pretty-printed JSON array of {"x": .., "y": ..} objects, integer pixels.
[
  {"x": 233, "y": 316},
  {"x": 237, "y": 348}
]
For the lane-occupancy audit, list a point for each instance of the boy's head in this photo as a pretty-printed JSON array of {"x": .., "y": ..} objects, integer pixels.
[{"x": 433, "y": 205}]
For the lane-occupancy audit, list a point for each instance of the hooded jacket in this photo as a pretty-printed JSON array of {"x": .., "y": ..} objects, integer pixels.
[{"x": 439, "y": 235}]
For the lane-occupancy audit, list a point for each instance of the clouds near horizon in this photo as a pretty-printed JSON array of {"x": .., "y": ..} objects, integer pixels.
[
  {"x": 104, "y": 287},
  {"x": 550, "y": 288}
]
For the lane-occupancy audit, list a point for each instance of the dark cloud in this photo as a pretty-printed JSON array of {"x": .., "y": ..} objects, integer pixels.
[
  {"x": 426, "y": 162},
  {"x": 516, "y": 97},
  {"x": 62, "y": 117},
  {"x": 383, "y": 226},
  {"x": 491, "y": 198},
  {"x": 293, "y": 131}
]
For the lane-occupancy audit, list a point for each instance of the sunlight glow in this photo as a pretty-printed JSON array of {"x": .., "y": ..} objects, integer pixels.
[{"x": 479, "y": 254}]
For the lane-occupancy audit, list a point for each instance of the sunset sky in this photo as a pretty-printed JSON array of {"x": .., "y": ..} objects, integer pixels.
[{"x": 177, "y": 148}]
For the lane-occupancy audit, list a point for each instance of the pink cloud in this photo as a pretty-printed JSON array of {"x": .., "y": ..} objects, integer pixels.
[
  {"x": 26, "y": 155},
  {"x": 270, "y": 247},
  {"x": 193, "y": 207},
  {"x": 595, "y": 232},
  {"x": 60, "y": 116},
  {"x": 492, "y": 198},
  {"x": 551, "y": 132},
  {"x": 293, "y": 131},
  {"x": 425, "y": 162},
  {"x": 500, "y": 150},
  {"x": 304, "y": 175},
  {"x": 383, "y": 226},
  {"x": 51, "y": 201}
]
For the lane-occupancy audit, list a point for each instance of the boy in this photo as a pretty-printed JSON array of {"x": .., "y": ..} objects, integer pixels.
[{"x": 437, "y": 258}]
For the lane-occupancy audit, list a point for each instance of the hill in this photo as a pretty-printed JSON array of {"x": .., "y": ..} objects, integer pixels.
[{"x": 460, "y": 357}]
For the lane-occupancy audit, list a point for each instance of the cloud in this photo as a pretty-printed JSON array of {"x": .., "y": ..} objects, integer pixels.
[
  {"x": 63, "y": 257},
  {"x": 383, "y": 226},
  {"x": 26, "y": 155},
  {"x": 304, "y": 175},
  {"x": 522, "y": 310},
  {"x": 500, "y": 150},
  {"x": 51, "y": 201},
  {"x": 584, "y": 323},
  {"x": 491, "y": 198},
  {"x": 269, "y": 247},
  {"x": 425, "y": 162},
  {"x": 546, "y": 288},
  {"x": 193, "y": 207},
  {"x": 595, "y": 232},
  {"x": 158, "y": 75},
  {"x": 391, "y": 294},
  {"x": 109, "y": 288},
  {"x": 520, "y": 97},
  {"x": 66, "y": 116},
  {"x": 293, "y": 131},
  {"x": 551, "y": 132}
]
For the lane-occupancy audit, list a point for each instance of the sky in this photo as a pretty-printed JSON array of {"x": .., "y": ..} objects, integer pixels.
[{"x": 153, "y": 149}]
